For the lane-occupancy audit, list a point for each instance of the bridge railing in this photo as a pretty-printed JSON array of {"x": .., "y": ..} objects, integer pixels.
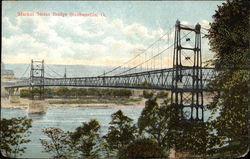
[
  {"x": 158, "y": 79},
  {"x": 21, "y": 83}
]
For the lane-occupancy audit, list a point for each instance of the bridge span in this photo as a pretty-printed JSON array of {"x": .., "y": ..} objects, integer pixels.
[
  {"x": 183, "y": 80},
  {"x": 156, "y": 79}
]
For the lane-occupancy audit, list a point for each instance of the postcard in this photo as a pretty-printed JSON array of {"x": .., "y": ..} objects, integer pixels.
[{"x": 125, "y": 79}]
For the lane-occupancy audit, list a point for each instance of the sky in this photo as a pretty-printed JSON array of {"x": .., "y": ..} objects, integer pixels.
[{"x": 109, "y": 34}]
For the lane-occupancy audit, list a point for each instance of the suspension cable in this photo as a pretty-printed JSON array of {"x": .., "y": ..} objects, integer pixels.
[
  {"x": 54, "y": 71},
  {"x": 205, "y": 28},
  {"x": 138, "y": 54},
  {"x": 25, "y": 71},
  {"x": 48, "y": 74},
  {"x": 153, "y": 56}
]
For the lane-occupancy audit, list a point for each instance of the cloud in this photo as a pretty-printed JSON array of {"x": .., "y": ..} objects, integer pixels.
[
  {"x": 184, "y": 23},
  {"x": 136, "y": 29},
  {"x": 24, "y": 44},
  {"x": 78, "y": 40},
  {"x": 8, "y": 28},
  {"x": 205, "y": 24}
]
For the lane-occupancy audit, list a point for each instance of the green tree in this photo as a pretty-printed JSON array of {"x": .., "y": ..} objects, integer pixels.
[
  {"x": 191, "y": 137},
  {"x": 162, "y": 123},
  {"x": 147, "y": 94},
  {"x": 62, "y": 91},
  {"x": 58, "y": 143},
  {"x": 25, "y": 93},
  {"x": 229, "y": 38},
  {"x": 121, "y": 131},
  {"x": 162, "y": 94},
  {"x": 142, "y": 148},
  {"x": 14, "y": 133},
  {"x": 106, "y": 150},
  {"x": 86, "y": 139},
  {"x": 154, "y": 121}
]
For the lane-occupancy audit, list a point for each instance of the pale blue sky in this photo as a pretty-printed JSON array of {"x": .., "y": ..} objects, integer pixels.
[{"x": 110, "y": 40}]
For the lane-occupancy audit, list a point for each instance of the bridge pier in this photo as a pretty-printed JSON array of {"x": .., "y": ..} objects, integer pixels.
[
  {"x": 37, "y": 107},
  {"x": 14, "y": 95},
  {"x": 37, "y": 103}
]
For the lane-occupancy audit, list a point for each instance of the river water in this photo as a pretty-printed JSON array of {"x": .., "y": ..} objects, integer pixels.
[{"x": 67, "y": 119}]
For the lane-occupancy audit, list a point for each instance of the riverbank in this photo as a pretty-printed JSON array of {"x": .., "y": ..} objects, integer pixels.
[{"x": 70, "y": 103}]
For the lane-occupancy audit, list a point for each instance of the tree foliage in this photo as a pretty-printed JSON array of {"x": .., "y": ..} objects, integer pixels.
[
  {"x": 142, "y": 148},
  {"x": 229, "y": 38},
  {"x": 78, "y": 92},
  {"x": 154, "y": 121},
  {"x": 162, "y": 124},
  {"x": 229, "y": 35},
  {"x": 14, "y": 133},
  {"x": 147, "y": 94},
  {"x": 86, "y": 138},
  {"x": 121, "y": 131},
  {"x": 58, "y": 143}
]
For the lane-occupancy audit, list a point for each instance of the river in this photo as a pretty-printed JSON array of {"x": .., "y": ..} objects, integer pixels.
[{"x": 67, "y": 119}]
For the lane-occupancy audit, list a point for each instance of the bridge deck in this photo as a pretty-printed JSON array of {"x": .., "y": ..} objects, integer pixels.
[{"x": 156, "y": 79}]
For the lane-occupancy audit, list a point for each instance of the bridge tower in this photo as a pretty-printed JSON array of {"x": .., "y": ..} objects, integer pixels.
[
  {"x": 188, "y": 100},
  {"x": 37, "y": 79}
]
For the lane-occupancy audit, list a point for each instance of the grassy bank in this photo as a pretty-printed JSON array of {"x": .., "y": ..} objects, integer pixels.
[
  {"x": 94, "y": 100},
  {"x": 76, "y": 92}
]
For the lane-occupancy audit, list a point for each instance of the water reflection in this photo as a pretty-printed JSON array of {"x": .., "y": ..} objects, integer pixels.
[{"x": 36, "y": 116}]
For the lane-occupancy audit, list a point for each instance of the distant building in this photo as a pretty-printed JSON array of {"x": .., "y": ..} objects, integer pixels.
[{"x": 4, "y": 72}]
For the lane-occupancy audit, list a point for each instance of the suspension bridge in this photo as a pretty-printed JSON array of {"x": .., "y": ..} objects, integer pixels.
[{"x": 186, "y": 78}]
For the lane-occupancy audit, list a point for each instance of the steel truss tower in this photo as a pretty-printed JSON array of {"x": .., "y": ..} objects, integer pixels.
[
  {"x": 188, "y": 101},
  {"x": 37, "y": 79}
]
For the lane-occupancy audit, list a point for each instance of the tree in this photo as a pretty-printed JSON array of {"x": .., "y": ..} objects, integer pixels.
[
  {"x": 229, "y": 38},
  {"x": 142, "y": 148},
  {"x": 14, "y": 133},
  {"x": 58, "y": 143},
  {"x": 62, "y": 91},
  {"x": 86, "y": 138},
  {"x": 147, "y": 94},
  {"x": 162, "y": 94},
  {"x": 121, "y": 131},
  {"x": 154, "y": 121},
  {"x": 162, "y": 124},
  {"x": 191, "y": 137}
]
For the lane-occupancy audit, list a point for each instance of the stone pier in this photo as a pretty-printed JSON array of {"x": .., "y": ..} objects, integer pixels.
[
  {"x": 37, "y": 107},
  {"x": 14, "y": 95},
  {"x": 14, "y": 99}
]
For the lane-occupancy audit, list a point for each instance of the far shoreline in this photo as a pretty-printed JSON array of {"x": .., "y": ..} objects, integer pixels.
[{"x": 24, "y": 104}]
